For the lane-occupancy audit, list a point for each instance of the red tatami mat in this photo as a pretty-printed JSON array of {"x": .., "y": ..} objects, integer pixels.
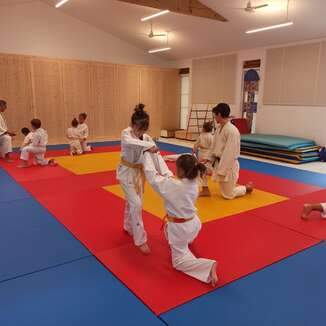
[
  {"x": 276, "y": 185},
  {"x": 288, "y": 214},
  {"x": 34, "y": 173},
  {"x": 94, "y": 216},
  {"x": 71, "y": 183},
  {"x": 241, "y": 244}
]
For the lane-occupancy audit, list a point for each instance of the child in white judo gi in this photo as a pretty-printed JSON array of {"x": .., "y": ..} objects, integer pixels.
[
  {"x": 28, "y": 137},
  {"x": 75, "y": 138},
  {"x": 5, "y": 135},
  {"x": 130, "y": 174},
  {"x": 83, "y": 129},
  {"x": 226, "y": 151},
  {"x": 37, "y": 147},
  {"x": 182, "y": 223},
  {"x": 204, "y": 147},
  {"x": 308, "y": 208}
]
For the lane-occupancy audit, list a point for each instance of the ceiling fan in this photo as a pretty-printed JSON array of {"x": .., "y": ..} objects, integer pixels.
[
  {"x": 151, "y": 33},
  {"x": 251, "y": 8}
]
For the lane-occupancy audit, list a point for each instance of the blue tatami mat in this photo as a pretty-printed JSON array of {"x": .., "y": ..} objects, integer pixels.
[
  {"x": 31, "y": 239},
  {"x": 289, "y": 293},
  {"x": 308, "y": 177},
  {"x": 10, "y": 189},
  {"x": 173, "y": 148},
  {"x": 81, "y": 293}
]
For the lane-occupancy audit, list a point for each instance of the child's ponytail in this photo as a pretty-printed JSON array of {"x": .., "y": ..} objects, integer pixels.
[{"x": 190, "y": 166}]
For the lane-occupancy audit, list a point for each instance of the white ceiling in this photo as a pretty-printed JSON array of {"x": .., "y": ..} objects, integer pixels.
[{"x": 194, "y": 37}]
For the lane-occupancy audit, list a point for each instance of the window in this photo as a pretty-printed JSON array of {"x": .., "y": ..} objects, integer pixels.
[{"x": 184, "y": 101}]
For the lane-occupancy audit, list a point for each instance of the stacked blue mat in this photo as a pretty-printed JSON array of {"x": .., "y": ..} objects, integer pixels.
[{"x": 280, "y": 148}]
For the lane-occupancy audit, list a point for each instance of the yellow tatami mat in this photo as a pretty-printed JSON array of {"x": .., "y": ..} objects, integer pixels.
[
  {"x": 209, "y": 208},
  {"x": 90, "y": 163}
]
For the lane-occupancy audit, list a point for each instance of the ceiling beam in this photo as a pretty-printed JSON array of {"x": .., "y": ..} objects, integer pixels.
[{"x": 185, "y": 7}]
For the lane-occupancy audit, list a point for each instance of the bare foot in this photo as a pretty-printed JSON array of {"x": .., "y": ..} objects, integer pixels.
[
  {"x": 127, "y": 232},
  {"x": 52, "y": 163},
  {"x": 249, "y": 187},
  {"x": 307, "y": 208},
  {"x": 205, "y": 192},
  {"x": 144, "y": 248},
  {"x": 23, "y": 165},
  {"x": 213, "y": 276}
]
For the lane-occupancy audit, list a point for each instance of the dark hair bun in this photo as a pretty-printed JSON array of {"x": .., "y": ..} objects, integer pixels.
[{"x": 140, "y": 108}]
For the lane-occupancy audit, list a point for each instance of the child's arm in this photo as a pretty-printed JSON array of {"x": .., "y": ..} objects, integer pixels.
[
  {"x": 128, "y": 139},
  {"x": 160, "y": 183}
]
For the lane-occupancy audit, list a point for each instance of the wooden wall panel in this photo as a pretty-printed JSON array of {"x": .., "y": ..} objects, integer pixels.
[
  {"x": 103, "y": 79},
  {"x": 170, "y": 114},
  {"x": 214, "y": 79},
  {"x": 321, "y": 78},
  {"x": 77, "y": 92},
  {"x": 273, "y": 75},
  {"x": 56, "y": 91},
  {"x": 48, "y": 97},
  {"x": 151, "y": 94},
  {"x": 229, "y": 78},
  {"x": 127, "y": 94},
  {"x": 299, "y": 74},
  {"x": 295, "y": 75},
  {"x": 15, "y": 88},
  {"x": 206, "y": 80}
]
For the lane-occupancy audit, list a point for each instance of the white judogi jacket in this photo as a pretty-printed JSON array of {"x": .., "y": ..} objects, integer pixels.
[
  {"x": 73, "y": 134},
  {"x": 28, "y": 139},
  {"x": 227, "y": 148},
  {"x": 132, "y": 149},
  {"x": 204, "y": 144},
  {"x": 179, "y": 199},
  {"x": 40, "y": 138},
  {"x": 83, "y": 129},
  {"x": 3, "y": 125}
]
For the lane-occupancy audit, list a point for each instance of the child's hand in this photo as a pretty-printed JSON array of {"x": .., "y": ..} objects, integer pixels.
[{"x": 153, "y": 149}]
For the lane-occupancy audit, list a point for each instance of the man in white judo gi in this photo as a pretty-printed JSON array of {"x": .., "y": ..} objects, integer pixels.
[
  {"x": 226, "y": 151},
  {"x": 5, "y": 134}
]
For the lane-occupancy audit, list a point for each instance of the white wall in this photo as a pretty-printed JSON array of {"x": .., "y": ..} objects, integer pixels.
[
  {"x": 39, "y": 29},
  {"x": 297, "y": 121}
]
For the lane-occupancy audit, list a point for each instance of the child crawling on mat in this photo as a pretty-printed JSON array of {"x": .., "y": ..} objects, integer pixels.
[
  {"x": 37, "y": 147},
  {"x": 182, "y": 224},
  {"x": 204, "y": 146},
  {"x": 308, "y": 208}
]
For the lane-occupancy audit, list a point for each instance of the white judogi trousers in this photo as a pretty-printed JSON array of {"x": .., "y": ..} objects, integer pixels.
[
  {"x": 5, "y": 145},
  {"x": 75, "y": 147},
  {"x": 228, "y": 184},
  {"x": 179, "y": 236},
  {"x": 133, "y": 222},
  {"x": 179, "y": 200},
  {"x": 38, "y": 152},
  {"x": 85, "y": 147},
  {"x": 323, "y": 205}
]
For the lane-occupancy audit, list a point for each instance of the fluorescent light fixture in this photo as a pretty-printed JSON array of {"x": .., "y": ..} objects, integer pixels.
[
  {"x": 155, "y": 15},
  {"x": 159, "y": 50},
  {"x": 269, "y": 27},
  {"x": 60, "y": 3}
]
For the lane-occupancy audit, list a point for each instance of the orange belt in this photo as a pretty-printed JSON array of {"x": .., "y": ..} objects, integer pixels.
[
  {"x": 174, "y": 219},
  {"x": 139, "y": 167}
]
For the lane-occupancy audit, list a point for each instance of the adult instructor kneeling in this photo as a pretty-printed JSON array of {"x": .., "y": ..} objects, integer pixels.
[{"x": 5, "y": 135}]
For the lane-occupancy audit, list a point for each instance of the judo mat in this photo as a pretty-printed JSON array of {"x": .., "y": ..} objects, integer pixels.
[
  {"x": 280, "y": 148},
  {"x": 244, "y": 235}
]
